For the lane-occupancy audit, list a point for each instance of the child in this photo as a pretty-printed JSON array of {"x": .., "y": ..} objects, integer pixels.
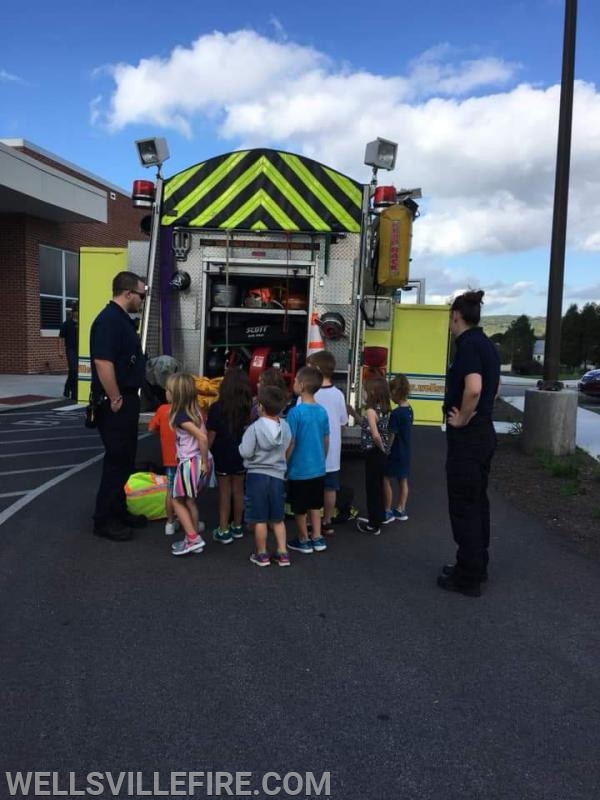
[
  {"x": 272, "y": 376},
  {"x": 398, "y": 462},
  {"x": 307, "y": 454},
  {"x": 227, "y": 420},
  {"x": 375, "y": 441},
  {"x": 333, "y": 401},
  {"x": 263, "y": 448},
  {"x": 160, "y": 424},
  {"x": 194, "y": 465}
]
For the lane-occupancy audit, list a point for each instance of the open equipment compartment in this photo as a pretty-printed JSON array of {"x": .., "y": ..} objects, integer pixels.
[{"x": 270, "y": 242}]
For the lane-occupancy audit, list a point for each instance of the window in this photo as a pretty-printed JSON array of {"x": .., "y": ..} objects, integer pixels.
[{"x": 59, "y": 285}]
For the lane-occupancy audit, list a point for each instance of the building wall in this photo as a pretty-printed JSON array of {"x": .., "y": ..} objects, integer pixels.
[
  {"x": 24, "y": 349},
  {"x": 13, "y": 295}
]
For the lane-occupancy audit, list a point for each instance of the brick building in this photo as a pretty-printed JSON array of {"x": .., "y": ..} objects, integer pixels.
[{"x": 49, "y": 208}]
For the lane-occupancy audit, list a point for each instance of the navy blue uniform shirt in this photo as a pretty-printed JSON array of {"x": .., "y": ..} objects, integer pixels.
[
  {"x": 475, "y": 353},
  {"x": 113, "y": 337}
]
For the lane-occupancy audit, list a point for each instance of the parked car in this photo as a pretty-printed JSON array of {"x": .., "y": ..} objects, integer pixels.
[{"x": 590, "y": 383}]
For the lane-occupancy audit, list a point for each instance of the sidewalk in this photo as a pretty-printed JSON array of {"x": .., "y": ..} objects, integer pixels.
[
  {"x": 587, "y": 433},
  {"x": 515, "y": 380},
  {"x": 19, "y": 391}
]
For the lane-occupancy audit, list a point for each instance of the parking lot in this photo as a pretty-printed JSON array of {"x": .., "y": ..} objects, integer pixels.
[
  {"x": 37, "y": 449},
  {"x": 117, "y": 656}
]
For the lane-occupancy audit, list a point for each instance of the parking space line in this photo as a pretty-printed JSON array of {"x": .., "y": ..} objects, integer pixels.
[
  {"x": 14, "y": 494},
  {"x": 37, "y": 469},
  {"x": 54, "y": 438},
  {"x": 30, "y": 496},
  {"x": 49, "y": 452}
]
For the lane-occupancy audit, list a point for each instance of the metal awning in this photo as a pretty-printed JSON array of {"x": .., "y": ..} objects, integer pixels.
[{"x": 28, "y": 186}]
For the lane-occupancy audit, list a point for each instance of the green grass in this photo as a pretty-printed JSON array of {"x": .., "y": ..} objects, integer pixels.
[
  {"x": 500, "y": 323},
  {"x": 571, "y": 489},
  {"x": 559, "y": 466}
]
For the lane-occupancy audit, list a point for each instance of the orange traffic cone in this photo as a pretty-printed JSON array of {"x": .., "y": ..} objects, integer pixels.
[{"x": 315, "y": 340}]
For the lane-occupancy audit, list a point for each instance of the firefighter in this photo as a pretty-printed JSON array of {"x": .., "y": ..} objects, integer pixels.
[
  {"x": 471, "y": 386},
  {"x": 118, "y": 369}
]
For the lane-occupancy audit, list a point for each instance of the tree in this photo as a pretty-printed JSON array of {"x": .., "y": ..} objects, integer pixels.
[
  {"x": 517, "y": 345},
  {"x": 590, "y": 333},
  {"x": 571, "y": 350}
]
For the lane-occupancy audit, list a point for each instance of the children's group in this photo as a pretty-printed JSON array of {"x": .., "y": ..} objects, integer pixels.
[{"x": 277, "y": 446}]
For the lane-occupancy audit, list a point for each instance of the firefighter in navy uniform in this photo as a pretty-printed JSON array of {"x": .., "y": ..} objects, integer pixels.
[
  {"x": 118, "y": 369},
  {"x": 472, "y": 384}
]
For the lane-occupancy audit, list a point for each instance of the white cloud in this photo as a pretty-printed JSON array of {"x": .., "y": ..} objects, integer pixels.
[
  {"x": 584, "y": 294},
  {"x": 434, "y": 72},
  {"x": 482, "y": 148},
  {"x": 8, "y": 77},
  {"x": 500, "y": 296},
  {"x": 278, "y": 27},
  {"x": 216, "y": 71}
]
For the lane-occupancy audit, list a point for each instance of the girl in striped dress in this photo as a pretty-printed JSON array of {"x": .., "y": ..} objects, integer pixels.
[{"x": 194, "y": 463}]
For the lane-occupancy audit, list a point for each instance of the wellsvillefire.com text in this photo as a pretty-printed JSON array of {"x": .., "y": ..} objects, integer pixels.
[{"x": 172, "y": 784}]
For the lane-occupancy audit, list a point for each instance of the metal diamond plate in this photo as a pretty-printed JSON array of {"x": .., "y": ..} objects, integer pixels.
[
  {"x": 137, "y": 257},
  {"x": 186, "y": 349}
]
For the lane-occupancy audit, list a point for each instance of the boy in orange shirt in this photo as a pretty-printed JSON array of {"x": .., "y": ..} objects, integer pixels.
[{"x": 160, "y": 424}]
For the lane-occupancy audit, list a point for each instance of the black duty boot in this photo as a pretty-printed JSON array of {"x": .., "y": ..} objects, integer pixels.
[{"x": 448, "y": 583}]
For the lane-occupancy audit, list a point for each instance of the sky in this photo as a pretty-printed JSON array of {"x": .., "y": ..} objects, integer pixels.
[{"x": 470, "y": 91}]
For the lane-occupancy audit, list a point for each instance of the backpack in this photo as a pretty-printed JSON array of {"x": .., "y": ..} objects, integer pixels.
[{"x": 146, "y": 493}]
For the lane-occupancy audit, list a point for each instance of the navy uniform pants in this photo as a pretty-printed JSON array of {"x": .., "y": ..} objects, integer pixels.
[
  {"x": 70, "y": 389},
  {"x": 119, "y": 433},
  {"x": 375, "y": 462},
  {"x": 469, "y": 456}
]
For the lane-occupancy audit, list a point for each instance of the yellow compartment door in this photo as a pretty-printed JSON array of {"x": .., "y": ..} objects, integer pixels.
[
  {"x": 420, "y": 341},
  {"x": 97, "y": 268}
]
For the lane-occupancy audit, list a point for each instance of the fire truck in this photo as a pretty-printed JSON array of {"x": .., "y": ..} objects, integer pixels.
[{"x": 259, "y": 257}]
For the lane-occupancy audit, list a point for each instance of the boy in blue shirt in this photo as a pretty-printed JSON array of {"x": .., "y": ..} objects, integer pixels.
[{"x": 309, "y": 424}]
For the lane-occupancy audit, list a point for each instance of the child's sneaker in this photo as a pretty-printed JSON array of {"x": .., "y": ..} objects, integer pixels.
[
  {"x": 260, "y": 559},
  {"x": 224, "y": 537},
  {"x": 301, "y": 546},
  {"x": 365, "y": 527},
  {"x": 389, "y": 517},
  {"x": 236, "y": 531},
  {"x": 171, "y": 527},
  {"x": 319, "y": 544},
  {"x": 281, "y": 559},
  {"x": 400, "y": 513},
  {"x": 187, "y": 545},
  {"x": 327, "y": 528}
]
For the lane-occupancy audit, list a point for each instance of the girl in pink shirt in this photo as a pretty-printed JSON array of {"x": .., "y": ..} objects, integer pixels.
[{"x": 194, "y": 463}]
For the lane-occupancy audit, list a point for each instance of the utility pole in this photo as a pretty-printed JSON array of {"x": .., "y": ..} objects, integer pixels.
[{"x": 561, "y": 199}]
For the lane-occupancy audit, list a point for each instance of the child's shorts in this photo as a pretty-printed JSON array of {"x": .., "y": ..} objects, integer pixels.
[
  {"x": 170, "y": 473},
  {"x": 306, "y": 494},
  {"x": 332, "y": 480},
  {"x": 189, "y": 481},
  {"x": 265, "y": 498}
]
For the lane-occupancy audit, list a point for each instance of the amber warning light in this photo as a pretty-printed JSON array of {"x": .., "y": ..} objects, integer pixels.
[{"x": 142, "y": 195}]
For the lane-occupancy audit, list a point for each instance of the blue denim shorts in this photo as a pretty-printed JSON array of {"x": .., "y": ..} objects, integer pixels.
[
  {"x": 170, "y": 473},
  {"x": 264, "y": 499}
]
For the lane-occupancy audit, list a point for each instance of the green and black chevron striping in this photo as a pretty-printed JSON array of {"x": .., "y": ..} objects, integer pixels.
[{"x": 263, "y": 190}]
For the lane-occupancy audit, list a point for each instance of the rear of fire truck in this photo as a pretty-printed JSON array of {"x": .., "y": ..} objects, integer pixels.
[{"x": 258, "y": 258}]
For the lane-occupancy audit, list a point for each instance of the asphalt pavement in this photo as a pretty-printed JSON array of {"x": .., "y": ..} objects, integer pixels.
[{"x": 119, "y": 657}]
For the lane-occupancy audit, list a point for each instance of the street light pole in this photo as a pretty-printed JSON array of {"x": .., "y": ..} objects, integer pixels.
[{"x": 561, "y": 198}]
